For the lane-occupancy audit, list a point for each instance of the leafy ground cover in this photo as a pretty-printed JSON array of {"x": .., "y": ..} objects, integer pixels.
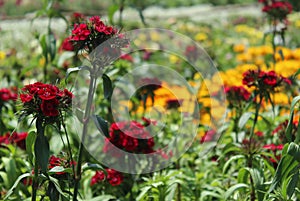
[{"x": 79, "y": 122}]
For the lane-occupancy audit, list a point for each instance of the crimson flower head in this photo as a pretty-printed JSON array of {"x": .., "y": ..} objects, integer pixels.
[
  {"x": 129, "y": 136},
  {"x": 236, "y": 95},
  {"x": 45, "y": 100},
  {"x": 7, "y": 95},
  {"x": 113, "y": 177},
  {"x": 14, "y": 138},
  {"x": 60, "y": 162},
  {"x": 88, "y": 34},
  {"x": 264, "y": 81},
  {"x": 66, "y": 45},
  {"x": 277, "y": 9}
]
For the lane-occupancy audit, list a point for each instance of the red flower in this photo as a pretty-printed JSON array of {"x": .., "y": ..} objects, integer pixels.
[
  {"x": 80, "y": 32},
  {"x": 114, "y": 178},
  {"x": 99, "y": 176},
  {"x": 7, "y": 94},
  {"x": 237, "y": 94},
  {"x": 66, "y": 45},
  {"x": 208, "y": 136},
  {"x": 126, "y": 57},
  {"x": 270, "y": 78},
  {"x": 49, "y": 107}
]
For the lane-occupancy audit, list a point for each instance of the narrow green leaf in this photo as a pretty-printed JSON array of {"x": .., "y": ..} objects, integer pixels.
[
  {"x": 111, "y": 11},
  {"x": 42, "y": 152},
  {"x": 234, "y": 188},
  {"x": 103, "y": 198},
  {"x": 101, "y": 124},
  {"x": 290, "y": 123},
  {"x": 233, "y": 158},
  {"x": 143, "y": 193},
  {"x": 57, "y": 186},
  {"x": 244, "y": 118},
  {"x": 30, "y": 139},
  {"x": 11, "y": 190},
  {"x": 11, "y": 169},
  {"x": 107, "y": 86},
  {"x": 92, "y": 166},
  {"x": 51, "y": 46},
  {"x": 71, "y": 70}
]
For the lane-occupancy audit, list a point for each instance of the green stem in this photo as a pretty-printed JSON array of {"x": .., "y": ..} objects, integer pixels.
[
  {"x": 69, "y": 149},
  {"x": 35, "y": 183},
  {"x": 84, "y": 132}
]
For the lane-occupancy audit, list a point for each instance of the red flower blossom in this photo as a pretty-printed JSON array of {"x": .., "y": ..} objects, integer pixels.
[
  {"x": 130, "y": 137},
  {"x": 49, "y": 107},
  {"x": 237, "y": 94},
  {"x": 7, "y": 94},
  {"x": 45, "y": 99},
  {"x": 66, "y": 45},
  {"x": 113, "y": 177},
  {"x": 126, "y": 57},
  {"x": 208, "y": 136},
  {"x": 80, "y": 32},
  {"x": 14, "y": 138}
]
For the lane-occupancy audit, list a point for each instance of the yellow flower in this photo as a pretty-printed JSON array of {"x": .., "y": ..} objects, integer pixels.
[
  {"x": 174, "y": 59},
  {"x": 239, "y": 48},
  {"x": 155, "y": 36},
  {"x": 244, "y": 57},
  {"x": 2, "y": 55},
  {"x": 280, "y": 99},
  {"x": 297, "y": 23},
  {"x": 201, "y": 36},
  {"x": 296, "y": 53},
  {"x": 42, "y": 61}
]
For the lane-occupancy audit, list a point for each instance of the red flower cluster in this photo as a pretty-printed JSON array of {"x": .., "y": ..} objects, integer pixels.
[
  {"x": 113, "y": 177},
  {"x": 45, "y": 100},
  {"x": 88, "y": 34},
  {"x": 130, "y": 137},
  {"x": 280, "y": 131},
  {"x": 66, "y": 45},
  {"x": 55, "y": 161},
  {"x": 236, "y": 95},
  {"x": 208, "y": 136},
  {"x": 277, "y": 9},
  {"x": 274, "y": 148},
  {"x": 264, "y": 80},
  {"x": 7, "y": 94},
  {"x": 14, "y": 138}
]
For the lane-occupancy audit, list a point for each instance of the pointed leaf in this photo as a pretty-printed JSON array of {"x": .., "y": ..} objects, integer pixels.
[
  {"x": 101, "y": 124},
  {"x": 234, "y": 188},
  {"x": 107, "y": 86},
  {"x": 42, "y": 152},
  {"x": 10, "y": 191},
  {"x": 71, "y": 70},
  {"x": 244, "y": 118},
  {"x": 30, "y": 139}
]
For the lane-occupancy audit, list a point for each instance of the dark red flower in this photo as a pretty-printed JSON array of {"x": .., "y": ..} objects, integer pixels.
[
  {"x": 7, "y": 94},
  {"x": 49, "y": 107},
  {"x": 80, "y": 32},
  {"x": 126, "y": 57},
  {"x": 66, "y": 45},
  {"x": 114, "y": 177},
  {"x": 208, "y": 136}
]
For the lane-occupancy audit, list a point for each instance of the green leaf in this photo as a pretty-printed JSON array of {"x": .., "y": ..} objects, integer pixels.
[
  {"x": 11, "y": 169},
  {"x": 71, "y": 70},
  {"x": 234, "y": 188},
  {"x": 103, "y": 198},
  {"x": 287, "y": 166},
  {"x": 101, "y": 124},
  {"x": 52, "y": 192},
  {"x": 244, "y": 118},
  {"x": 51, "y": 45},
  {"x": 57, "y": 186},
  {"x": 107, "y": 86},
  {"x": 30, "y": 139},
  {"x": 11, "y": 190},
  {"x": 92, "y": 166},
  {"x": 43, "y": 43},
  {"x": 42, "y": 152},
  {"x": 143, "y": 193},
  {"x": 111, "y": 11},
  {"x": 233, "y": 158},
  {"x": 289, "y": 128},
  {"x": 57, "y": 169}
]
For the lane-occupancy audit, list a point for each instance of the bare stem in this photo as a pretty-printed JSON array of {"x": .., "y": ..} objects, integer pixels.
[{"x": 84, "y": 132}]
